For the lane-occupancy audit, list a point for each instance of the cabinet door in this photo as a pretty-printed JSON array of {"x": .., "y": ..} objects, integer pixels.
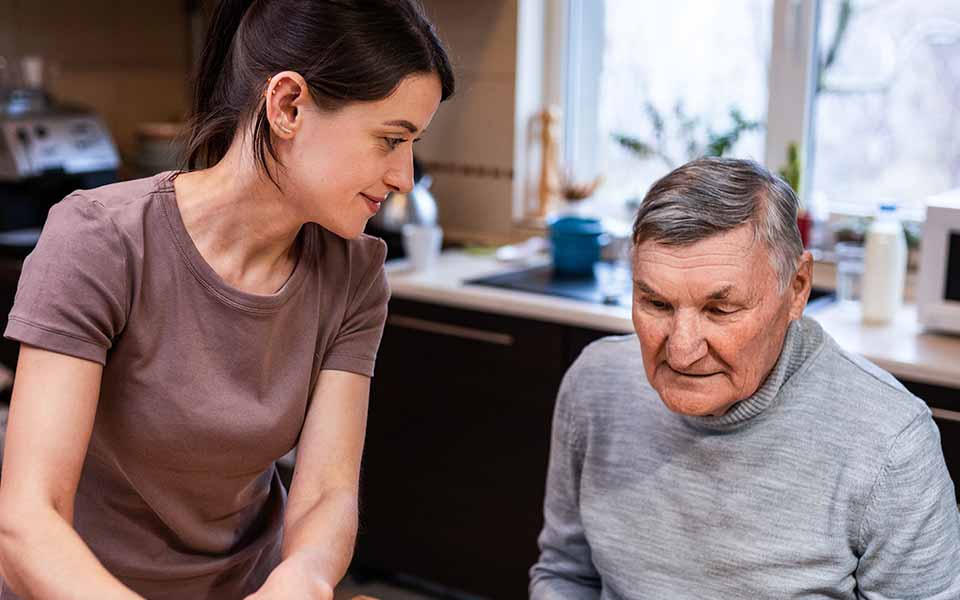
[
  {"x": 945, "y": 404},
  {"x": 457, "y": 447},
  {"x": 949, "y": 424}
]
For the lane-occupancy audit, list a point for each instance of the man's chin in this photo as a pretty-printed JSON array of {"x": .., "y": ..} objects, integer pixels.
[{"x": 694, "y": 404}]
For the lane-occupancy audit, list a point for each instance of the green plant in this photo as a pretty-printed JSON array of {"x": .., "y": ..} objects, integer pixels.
[
  {"x": 688, "y": 130},
  {"x": 791, "y": 170}
]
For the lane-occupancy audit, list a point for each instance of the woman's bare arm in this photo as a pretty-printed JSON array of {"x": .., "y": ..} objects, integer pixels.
[
  {"x": 320, "y": 524},
  {"x": 51, "y": 417}
]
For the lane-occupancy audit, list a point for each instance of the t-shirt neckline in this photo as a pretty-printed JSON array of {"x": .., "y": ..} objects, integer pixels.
[{"x": 208, "y": 277}]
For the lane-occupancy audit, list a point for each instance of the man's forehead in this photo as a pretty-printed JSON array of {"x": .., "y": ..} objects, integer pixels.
[
  {"x": 720, "y": 290},
  {"x": 718, "y": 268},
  {"x": 700, "y": 255}
]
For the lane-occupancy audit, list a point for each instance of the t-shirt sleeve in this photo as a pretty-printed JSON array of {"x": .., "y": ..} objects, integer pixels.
[
  {"x": 910, "y": 537},
  {"x": 72, "y": 297},
  {"x": 354, "y": 348}
]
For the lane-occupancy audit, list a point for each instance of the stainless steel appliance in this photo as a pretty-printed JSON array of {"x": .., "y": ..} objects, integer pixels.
[
  {"x": 417, "y": 207},
  {"x": 47, "y": 150}
]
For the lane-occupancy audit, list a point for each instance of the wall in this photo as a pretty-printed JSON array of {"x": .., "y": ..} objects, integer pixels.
[
  {"x": 127, "y": 60},
  {"x": 470, "y": 142}
]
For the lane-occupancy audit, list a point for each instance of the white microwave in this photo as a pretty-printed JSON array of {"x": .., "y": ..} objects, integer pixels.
[{"x": 938, "y": 291}]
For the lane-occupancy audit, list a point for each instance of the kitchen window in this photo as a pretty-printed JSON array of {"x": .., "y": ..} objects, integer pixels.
[{"x": 866, "y": 91}]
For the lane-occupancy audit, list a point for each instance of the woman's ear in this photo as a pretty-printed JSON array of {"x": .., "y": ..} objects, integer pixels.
[{"x": 286, "y": 95}]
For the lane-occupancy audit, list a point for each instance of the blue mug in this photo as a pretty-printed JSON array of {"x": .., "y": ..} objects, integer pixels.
[{"x": 576, "y": 243}]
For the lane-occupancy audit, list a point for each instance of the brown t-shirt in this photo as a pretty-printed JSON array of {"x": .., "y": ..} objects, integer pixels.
[{"x": 204, "y": 386}]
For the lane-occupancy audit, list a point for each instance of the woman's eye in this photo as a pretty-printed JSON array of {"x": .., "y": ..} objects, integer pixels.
[{"x": 392, "y": 143}]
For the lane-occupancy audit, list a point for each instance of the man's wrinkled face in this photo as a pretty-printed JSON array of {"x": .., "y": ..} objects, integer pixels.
[{"x": 710, "y": 319}]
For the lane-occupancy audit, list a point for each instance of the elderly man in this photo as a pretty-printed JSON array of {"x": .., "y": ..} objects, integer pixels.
[{"x": 731, "y": 449}]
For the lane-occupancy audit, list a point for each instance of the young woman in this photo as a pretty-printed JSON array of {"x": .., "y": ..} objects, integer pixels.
[{"x": 180, "y": 333}]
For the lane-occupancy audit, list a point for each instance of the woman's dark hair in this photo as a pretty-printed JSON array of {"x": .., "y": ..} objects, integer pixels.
[{"x": 346, "y": 50}]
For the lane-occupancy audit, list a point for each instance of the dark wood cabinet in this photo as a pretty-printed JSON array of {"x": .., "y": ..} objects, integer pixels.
[
  {"x": 457, "y": 447},
  {"x": 945, "y": 403}
]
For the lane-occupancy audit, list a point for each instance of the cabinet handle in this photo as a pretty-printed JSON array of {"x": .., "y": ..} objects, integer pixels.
[
  {"x": 946, "y": 415},
  {"x": 458, "y": 331}
]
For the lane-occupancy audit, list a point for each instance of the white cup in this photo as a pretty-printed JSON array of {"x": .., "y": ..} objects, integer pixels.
[{"x": 421, "y": 243}]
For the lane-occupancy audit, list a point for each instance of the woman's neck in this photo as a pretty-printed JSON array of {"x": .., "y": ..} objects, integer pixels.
[{"x": 240, "y": 222}]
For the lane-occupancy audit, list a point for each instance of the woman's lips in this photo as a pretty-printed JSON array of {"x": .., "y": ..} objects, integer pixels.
[{"x": 373, "y": 203}]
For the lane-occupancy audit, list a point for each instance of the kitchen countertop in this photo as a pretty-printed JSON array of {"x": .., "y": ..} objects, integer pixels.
[
  {"x": 445, "y": 285},
  {"x": 901, "y": 347}
]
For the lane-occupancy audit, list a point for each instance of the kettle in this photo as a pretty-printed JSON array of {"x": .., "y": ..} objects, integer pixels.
[{"x": 416, "y": 207}]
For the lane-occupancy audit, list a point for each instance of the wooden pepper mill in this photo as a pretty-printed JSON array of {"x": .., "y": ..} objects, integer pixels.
[{"x": 549, "y": 173}]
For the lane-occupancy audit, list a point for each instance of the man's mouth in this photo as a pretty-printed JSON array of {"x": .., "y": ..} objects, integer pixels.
[{"x": 694, "y": 375}]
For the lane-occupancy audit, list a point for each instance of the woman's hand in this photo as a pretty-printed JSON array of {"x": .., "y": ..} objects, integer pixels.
[{"x": 292, "y": 580}]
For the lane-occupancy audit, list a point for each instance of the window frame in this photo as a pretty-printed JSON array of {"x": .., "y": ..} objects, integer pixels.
[{"x": 550, "y": 71}]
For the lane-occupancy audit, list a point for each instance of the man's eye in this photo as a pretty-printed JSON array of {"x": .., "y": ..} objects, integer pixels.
[
  {"x": 720, "y": 311},
  {"x": 393, "y": 142},
  {"x": 658, "y": 305}
]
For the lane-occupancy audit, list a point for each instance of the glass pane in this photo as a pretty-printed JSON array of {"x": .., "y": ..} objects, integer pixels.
[
  {"x": 887, "y": 120},
  {"x": 673, "y": 75}
]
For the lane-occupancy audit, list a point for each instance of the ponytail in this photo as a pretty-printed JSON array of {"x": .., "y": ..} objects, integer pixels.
[{"x": 214, "y": 127}]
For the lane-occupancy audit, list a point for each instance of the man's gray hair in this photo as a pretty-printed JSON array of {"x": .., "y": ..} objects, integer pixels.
[{"x": 709, "y": 196}]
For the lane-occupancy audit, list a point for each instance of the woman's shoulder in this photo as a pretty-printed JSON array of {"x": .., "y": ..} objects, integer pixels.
[
  {"x": 122, "y": 198},
  {"x": 118, "y": 202}
]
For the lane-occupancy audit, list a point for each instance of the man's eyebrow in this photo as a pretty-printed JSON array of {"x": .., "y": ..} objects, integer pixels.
[
  {"x": 402, "y": 123},
  {"x": 722, "y": 294},
  {"x": 643, "y": 287}
]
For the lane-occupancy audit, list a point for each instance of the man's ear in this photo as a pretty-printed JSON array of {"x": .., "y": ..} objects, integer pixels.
[{"x": 800, "y": 285}]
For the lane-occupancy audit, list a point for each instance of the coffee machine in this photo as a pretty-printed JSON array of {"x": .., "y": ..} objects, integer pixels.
[{"x": 47, "y": 150}]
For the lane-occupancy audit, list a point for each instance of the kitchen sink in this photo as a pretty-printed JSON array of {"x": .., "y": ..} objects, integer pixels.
[{"x": 609, "y": 284}]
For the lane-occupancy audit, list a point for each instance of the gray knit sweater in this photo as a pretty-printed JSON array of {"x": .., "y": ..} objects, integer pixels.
[{"x": 829, "y": 482}]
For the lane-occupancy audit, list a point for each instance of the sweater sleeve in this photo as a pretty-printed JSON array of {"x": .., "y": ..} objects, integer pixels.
[
  {"x": 565, "y": 570},
  {"x": 910, "y": 533}
]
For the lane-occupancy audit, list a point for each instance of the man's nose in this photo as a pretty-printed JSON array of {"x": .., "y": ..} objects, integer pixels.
[
  {"x": 399, "y": 177},
  {"x": 685, "y": 345}
]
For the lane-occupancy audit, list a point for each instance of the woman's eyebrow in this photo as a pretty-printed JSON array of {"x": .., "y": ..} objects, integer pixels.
[{"x": 402, "y": 123}]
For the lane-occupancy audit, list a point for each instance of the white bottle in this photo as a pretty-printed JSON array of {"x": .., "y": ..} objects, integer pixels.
[{"x": 884, "y": 267}]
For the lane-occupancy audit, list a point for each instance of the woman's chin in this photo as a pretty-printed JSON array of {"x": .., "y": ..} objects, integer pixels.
[{"x": 347, "y": 232}]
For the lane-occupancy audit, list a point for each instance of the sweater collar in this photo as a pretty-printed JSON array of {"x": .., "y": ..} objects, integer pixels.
[{"x": 802, "y": 340}]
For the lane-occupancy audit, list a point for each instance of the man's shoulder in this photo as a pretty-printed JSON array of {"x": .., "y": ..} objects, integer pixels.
[
  {"x": 850, "y": 387},
  {"x": 603, "y": 349},
  {"x": 615, "y": 356},
  {"x": 609, "y": 374}
]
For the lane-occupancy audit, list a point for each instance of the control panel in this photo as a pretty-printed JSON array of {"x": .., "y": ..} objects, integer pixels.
[{"x": 72, "y": 143}]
